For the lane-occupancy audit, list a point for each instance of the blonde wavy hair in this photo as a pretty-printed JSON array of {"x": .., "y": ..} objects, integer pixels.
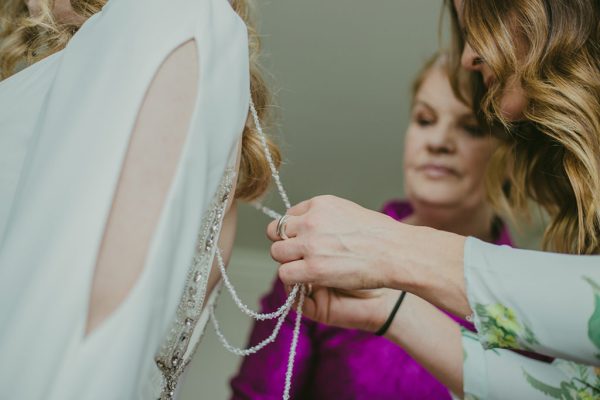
[
  {"x": 25, "y": 39},
  {"x": 552, "y": 47}
]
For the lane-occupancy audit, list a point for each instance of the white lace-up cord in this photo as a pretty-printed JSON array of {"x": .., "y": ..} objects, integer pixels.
[
  {"x": 294, "y": 345},
  {"x": 243, "y": 307},
  {"x": 282, "y": 313},
  {"x": 251, "y": 350},
  {"x": 266, "y": 210},
  {"x": 274, "y": 172}
]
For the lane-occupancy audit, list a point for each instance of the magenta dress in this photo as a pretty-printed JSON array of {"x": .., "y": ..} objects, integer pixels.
[{"x": 336, "y": 363}]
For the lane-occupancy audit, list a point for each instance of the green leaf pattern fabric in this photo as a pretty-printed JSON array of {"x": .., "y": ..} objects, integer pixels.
[
  {"x": 501, "y": 327},
  {"x": 583, "y": 382},
  {"x": 594, "y": 321},
  {"x": 538, "y": 302}
]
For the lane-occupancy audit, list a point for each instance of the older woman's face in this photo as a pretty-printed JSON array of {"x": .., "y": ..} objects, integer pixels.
[
  {"x": 446, "y": 151},
  {"x": 513, "y": 101}
]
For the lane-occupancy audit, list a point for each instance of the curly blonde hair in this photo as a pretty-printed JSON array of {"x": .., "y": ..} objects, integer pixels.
[
  {"x": 25, "y": 39},
  {"x": 552, "y": 47}
]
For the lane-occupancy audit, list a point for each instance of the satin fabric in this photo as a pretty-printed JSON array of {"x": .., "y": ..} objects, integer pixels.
[{"x": 65, "y": 124}]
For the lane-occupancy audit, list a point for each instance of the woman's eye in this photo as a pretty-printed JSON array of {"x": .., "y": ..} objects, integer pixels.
[
  {"x": 421, "y": 121},
  {"x": 474, "y": 130}
]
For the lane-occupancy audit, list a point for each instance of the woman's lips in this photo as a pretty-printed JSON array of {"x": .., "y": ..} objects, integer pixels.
[{"x": 435, "y": 171}]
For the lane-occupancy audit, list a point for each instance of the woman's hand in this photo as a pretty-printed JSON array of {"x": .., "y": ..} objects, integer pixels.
[
  {"x": 422, "y": 330},
  {"x": 366, "y": 310},
  {"x": 335, "y": 243}
]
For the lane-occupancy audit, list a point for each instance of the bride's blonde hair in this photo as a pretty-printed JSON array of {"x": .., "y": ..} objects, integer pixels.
[
  {"x": 552, "y": 47},
  {"x": 25, "y": 39}
]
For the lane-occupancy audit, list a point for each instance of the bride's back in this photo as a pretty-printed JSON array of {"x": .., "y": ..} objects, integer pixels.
[{"x": 122, "y": 176}]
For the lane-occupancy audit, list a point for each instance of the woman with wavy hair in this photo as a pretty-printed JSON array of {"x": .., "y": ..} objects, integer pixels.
[
  {"x": 124, "y": 144},
  {"x": 536, "y": 64}
]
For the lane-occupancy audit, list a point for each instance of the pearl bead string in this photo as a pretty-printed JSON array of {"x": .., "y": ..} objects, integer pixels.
[
  {"x": 243, "y": 307},
  {"x": 274, "y": 172},
  {"x": 251, "y": 350},
  {"x": 266, "y": 210},
  {"x": 294, "y": 345},
  {"x": 282, "y": 313}
]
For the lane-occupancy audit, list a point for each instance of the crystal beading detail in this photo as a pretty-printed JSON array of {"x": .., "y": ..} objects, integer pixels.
[{"x": 175, "y": 353}]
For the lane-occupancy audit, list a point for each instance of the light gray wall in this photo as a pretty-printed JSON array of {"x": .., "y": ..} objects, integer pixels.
[{"x": 342, "y": 70}]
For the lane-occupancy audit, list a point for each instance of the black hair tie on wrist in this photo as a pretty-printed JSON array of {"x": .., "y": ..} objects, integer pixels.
[{"x": 390, "y": 319}]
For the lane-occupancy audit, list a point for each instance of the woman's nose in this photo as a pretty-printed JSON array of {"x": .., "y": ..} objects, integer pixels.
[
  {"x": 470, "y": 59},
  {"x": 440, "y": 141}
]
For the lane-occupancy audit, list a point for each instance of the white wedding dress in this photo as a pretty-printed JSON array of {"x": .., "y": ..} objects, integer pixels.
[{"x": 65, "y": 126}]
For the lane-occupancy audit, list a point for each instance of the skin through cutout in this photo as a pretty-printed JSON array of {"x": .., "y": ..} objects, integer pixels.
[{"x": 159, "y": 134}]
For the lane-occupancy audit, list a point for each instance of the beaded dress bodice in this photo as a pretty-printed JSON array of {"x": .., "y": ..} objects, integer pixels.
[{"x": 188, "y": 327}]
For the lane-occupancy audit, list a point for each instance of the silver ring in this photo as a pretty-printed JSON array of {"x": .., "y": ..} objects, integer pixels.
[
  {"x": 309, "y": 289},
  {"x": 281, "y": 227}
]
